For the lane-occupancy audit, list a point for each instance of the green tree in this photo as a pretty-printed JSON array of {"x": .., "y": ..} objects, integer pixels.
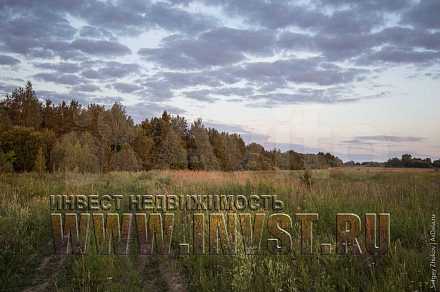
[
  {"x": 7, "y": 161},
  {"x": 76, "y": 152},
  {"x": 201, "y": 154},
  {"x": 125, "y": 159},
  {"x": 168, "y": 150},
  {"x": 256, "y": 158},
  {"x": 24, "y": 142},
  {"x": 40, "y": 162},
  {"x": 24, "y": 109}
]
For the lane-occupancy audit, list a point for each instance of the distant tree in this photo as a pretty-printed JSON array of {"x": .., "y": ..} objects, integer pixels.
[
  {"x": 180, "y": 126},
  {"x": 235, "y": 151},
  {"x": 200, "y": 151},
  {"x": 40, "y": 162},
  {"x": 68, "y": 136},
  {"x": 295, "y": 160},
  {"x": 76, "y": 152},
  {"x": 5, "y": 121},
  {"x": 7, "y": 161},
  {"x": 168, "y": 151},
  {"x": 24, "y": 142},
  {"x": 218, "y": 143},
  {"x": 256, "y": 158},
  {"x": 394, "y": 162},
  {"x": 143, "y": 146},
  {"x": 24, "y": 109},
  {"x": 125, "y": 159}
]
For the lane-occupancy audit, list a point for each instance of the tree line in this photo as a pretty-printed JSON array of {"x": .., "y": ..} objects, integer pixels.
[
  {"x": 412, "y": 162},
  {"x": 43, "y": 136},
  {"x": 406, "y": 161}
]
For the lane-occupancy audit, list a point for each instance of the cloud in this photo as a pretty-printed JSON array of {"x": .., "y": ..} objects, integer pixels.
[
  {"x": 67, "y": 79},
  {"x": 85, "y": 88},
  {"x": 175, "y": 19},
  {"x": 369, "y": 140},
  {"x": 126, "y": 87},
  {"x": 391, "y": 54},
  {"x": 100, "y": 47},
  {"x": 88, "y": 31},
  {"x": 8, "y": 60},
  {"x": 256, "y": 52},
  {"x": 217, "y": 47},
  {"x": 424, "y": 14},
  {"x": 109, "y": 70},
  {"x": 62, "y": 67}
]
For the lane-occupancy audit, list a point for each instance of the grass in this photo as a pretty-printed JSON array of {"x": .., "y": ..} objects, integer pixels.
[{"x": 411, "y": 196}]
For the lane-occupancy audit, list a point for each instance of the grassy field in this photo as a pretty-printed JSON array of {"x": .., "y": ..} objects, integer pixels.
[{"x": 27, "y": 262}]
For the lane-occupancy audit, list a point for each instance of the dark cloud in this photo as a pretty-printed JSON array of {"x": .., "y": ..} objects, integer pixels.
[
  {"x": 126, "y": 87},
  {"x": 391, "y": 54},
  {"x": 85, "y": 88},
  {"x": 67, "y": 79},
  {"x": 218, "y": 47},
  {"x": 8, "y": 60},
  {"x": 175, "y": 19},
  {"x": 424, "y": 14},
  {"x": 368, "y": 5},
  {"x": 260, "y": 63},
  {"x": 383, "y": 138},
  {"x": 62, "y": 67},
  {"x": 109, "y": 70},
  {"x": 96, "y": 33},
  {"x": 100, "y": 47},
  {"x": 201, "y": 95}
]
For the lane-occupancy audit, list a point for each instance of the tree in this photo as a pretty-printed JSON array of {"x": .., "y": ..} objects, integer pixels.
[
  {"x": 295, "y": 160},
  {"x": 40, "y": 162},
  {"x": 168, "y": 149},
  {"x": 234, "y": 151},
  {"x": 7, "y": 161},
  {"x": 256, "y": 158},
  {"x": 143, "y": 145},
  {"x": 24, "y": 142},
  {"x": 76, "y": 152},
  {"x": 125, "y": 159},
  {"x": 24, "y": 109},
  {"x": 201, "y": 154}
]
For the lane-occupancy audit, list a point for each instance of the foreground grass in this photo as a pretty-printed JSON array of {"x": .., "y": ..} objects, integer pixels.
[{"x": 411, "y": 196}]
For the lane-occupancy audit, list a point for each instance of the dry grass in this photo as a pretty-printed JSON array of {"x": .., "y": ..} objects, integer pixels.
[{"x": 410, "y": 195}]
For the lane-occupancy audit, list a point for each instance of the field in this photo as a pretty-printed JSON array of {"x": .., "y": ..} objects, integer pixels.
[{"x": 27, "y": 262}]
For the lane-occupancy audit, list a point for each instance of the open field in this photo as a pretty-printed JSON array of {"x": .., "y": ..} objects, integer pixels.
[{"x": 411, "y": 196}]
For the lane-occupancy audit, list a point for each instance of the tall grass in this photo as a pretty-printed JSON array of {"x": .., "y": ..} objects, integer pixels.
[{"x": 410, "y": 196}]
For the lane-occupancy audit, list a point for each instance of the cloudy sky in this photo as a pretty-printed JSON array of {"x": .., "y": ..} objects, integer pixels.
[{"x": 360, "y": 79}]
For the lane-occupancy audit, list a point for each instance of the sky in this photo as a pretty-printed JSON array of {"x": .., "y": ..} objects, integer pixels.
[{"x": 360, "y": 79}]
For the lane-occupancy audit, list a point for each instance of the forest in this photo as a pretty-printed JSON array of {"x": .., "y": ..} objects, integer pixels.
[{"x": 43, "y": 136}]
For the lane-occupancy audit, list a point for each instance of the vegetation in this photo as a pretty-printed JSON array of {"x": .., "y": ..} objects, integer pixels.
[
  {"x": 98, "y": 139},
  {"x": 411, "y": 196},
  {"x": 408, "y": 161},
  {"x": 71, "y": 149}
]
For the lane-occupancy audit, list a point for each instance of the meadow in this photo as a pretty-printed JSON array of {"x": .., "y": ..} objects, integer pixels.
[{"x": 411, "y": 196}]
